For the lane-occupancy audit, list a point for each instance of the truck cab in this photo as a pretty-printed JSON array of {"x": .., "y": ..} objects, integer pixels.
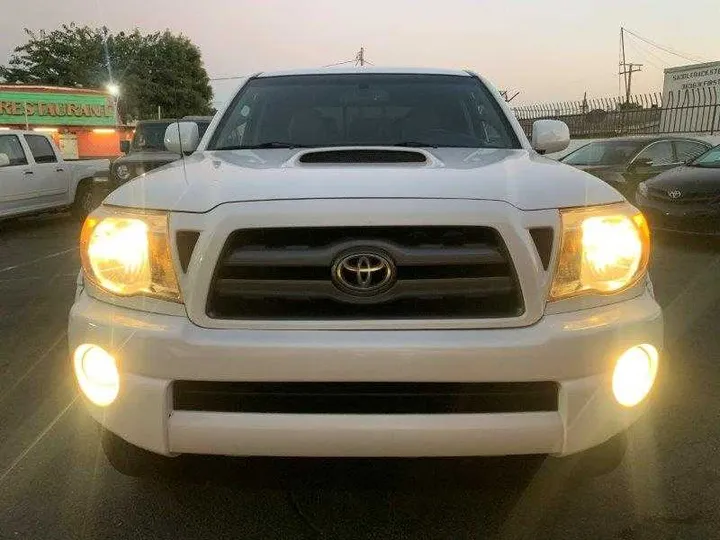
[{"x": 34, "y": 177}]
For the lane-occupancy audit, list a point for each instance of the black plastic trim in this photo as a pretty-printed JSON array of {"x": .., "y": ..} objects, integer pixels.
[{"x": 365, "y": 397}]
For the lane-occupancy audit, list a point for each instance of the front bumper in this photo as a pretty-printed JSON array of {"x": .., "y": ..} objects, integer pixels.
[
  {"x": 690, "y": 218},
  {"x": 577, "y": 350}
]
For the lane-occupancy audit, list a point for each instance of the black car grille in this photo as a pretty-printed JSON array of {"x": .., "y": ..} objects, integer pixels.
[
  {"x": 685, "y": 197},
  {"x": 441, "y": 272},
  {"x": 364, "y": 397}
]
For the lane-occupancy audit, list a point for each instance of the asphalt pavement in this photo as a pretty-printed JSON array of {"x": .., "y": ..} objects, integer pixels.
[{"x": 56, "y": 484}]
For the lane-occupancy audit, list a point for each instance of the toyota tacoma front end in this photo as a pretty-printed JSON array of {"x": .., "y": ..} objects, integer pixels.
[{"x": 364, "y": 263}]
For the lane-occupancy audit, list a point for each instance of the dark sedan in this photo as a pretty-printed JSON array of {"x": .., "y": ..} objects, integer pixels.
[
  {"x": 625, "y": 162},
  {"x": 685, "y": 199}
]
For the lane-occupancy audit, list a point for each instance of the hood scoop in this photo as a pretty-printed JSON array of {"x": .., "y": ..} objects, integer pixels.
[{"x": 363, "y": 156}]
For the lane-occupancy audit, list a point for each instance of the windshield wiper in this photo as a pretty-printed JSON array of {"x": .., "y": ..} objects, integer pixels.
[{"x": 265, "y": 145}]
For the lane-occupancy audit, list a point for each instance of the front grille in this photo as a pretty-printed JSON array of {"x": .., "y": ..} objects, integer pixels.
[
  {"x": 686, "y": 197},
  {"x": 364, "y": 397},
  {"x": 440, "y": 272}
]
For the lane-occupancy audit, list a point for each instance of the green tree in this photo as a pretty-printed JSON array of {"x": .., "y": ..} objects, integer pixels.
[{"x": 161, "y": 69}]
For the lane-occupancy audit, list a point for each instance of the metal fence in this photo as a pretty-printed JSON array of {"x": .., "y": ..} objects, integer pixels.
[{"x": 688, "y": 111}]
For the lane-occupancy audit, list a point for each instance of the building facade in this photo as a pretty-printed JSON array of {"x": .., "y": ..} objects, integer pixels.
[{"x": 83, "y": 122}]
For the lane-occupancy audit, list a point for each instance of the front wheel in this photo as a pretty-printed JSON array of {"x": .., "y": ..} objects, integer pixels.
[
  {"x": 132, "y": 460},
  {"x": 84, "y": 201}
]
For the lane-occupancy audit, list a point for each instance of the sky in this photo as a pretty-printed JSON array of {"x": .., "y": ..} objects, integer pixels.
[{"x": 548, "y": 50}]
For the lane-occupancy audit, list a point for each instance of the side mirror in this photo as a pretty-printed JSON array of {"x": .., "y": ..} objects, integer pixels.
[
  {"x": 549, "y": 136},
  {"x": 4, "y": 160},
  {"x": 182, "y": 137},
  {"x": 125, "y": 147}
]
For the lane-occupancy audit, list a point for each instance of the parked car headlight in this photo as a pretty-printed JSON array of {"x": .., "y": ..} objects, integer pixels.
[
  {"x": 122, "y": 172},
  {"x": 604, "y": 249},
  {"x": 127, "y": 252}
]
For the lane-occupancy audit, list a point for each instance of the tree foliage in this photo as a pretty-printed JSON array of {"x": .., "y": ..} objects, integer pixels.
[{"x": 159, "y": 69}]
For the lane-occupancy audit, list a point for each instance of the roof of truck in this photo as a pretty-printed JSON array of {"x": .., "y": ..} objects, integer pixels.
[{"x": 355, "y": 70}]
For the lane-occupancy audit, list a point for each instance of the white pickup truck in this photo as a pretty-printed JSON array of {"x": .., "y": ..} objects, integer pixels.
[
  {"x": 34, "y": 178},
  {"x": 365, "y": 262}
]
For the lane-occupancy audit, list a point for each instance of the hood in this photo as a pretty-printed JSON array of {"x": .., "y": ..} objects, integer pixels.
[
  {"x": 204, "y": 180},
  {"x": 152, "y": 156},
  {"x": 693, "y": 179}
]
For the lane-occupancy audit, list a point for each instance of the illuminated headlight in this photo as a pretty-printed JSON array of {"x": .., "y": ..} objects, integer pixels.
[
  {"x": 128, "y": 253},
  {"x": 122, "y": 172},
  {"x": 643, "y": 189},
  {"x": 97, "y": 374},
  {"x": 634, "y": 374},
  {"x": 604, "y": 249}
]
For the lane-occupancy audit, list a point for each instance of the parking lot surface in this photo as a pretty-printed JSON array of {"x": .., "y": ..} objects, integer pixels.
[{"x": 56, "y": 484}]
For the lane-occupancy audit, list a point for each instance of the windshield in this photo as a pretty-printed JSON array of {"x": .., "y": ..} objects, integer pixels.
[
  {"x": 710, "y": 159},
  {"x": 364, "y": 109},
  {"x": 149, "y": 136},
  {"x": 605, "y": 153}
]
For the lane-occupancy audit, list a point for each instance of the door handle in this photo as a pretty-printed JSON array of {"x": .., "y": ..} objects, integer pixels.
[
  {"x": 28, "y": 172},
  {"x": 59, "y": 170}
]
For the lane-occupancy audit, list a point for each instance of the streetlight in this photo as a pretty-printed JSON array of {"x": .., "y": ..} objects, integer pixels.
[{"x": 114, "y": 90}]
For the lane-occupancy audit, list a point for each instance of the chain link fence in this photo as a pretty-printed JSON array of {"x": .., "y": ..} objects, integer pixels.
[{"x": 687, "y": 111}]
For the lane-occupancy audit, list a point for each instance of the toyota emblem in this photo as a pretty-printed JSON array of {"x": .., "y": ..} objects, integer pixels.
[
  {"x": 675, "y": 194},
  {"x": 364, "y": 273}
]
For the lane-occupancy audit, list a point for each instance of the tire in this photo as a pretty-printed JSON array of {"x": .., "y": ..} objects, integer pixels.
[
  {"x": 599, "y": 460},
  {"x": 132, "y": 460},
  {"x": 84, "y": 202}
]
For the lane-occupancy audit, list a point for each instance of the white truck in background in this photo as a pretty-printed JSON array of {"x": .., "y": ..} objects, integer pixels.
[{"x": 34, "y": 178}]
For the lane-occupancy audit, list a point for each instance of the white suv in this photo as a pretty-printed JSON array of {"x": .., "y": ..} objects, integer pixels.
[{"x": 364, "y": 262}]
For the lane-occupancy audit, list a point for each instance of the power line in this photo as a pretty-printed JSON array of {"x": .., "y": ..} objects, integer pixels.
[
  {"x": 679, "y": 54},
  {"x": 341, "y": 63},
  {"x": 644, "y": 53},
  {"x": 359, "y": 59},
  {"x": 647, "y": 51}
]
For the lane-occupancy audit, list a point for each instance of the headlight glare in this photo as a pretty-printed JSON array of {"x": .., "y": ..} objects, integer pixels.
[
  {"x": 634, "y": 374},
  {"x": 97, "y": 374},
  {"x": 129, "y": 254},
  {"x": 604, "y": 250},
  {"x": 119, "y": 256}
]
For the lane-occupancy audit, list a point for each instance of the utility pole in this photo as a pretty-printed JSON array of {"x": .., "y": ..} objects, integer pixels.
[
  {"x": 360, "y": 58},
  {"x": 626, "y": 70},
  {"x": 505, "y": 95}
]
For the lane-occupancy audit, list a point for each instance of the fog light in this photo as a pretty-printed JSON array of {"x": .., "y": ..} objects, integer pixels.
[
  {"x": 97, "y": 374},
  {"x": 634, "y": 374}
]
